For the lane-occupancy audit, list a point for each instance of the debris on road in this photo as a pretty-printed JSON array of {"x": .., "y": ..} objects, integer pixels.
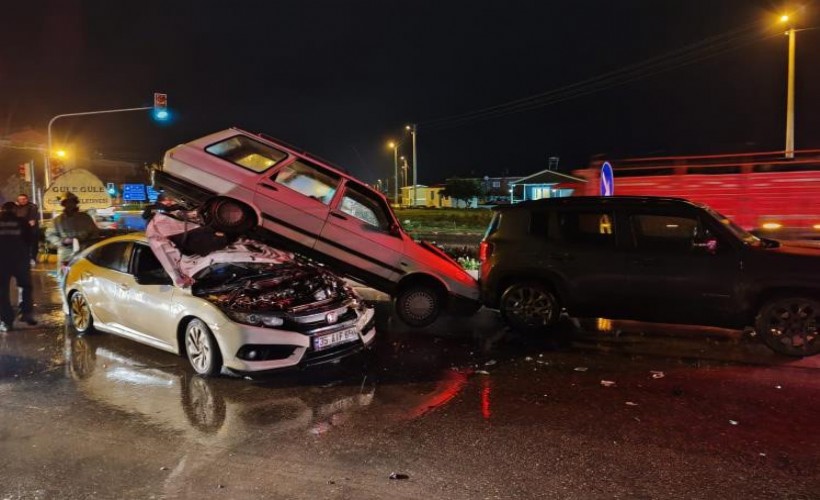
[
  {"x": 482, "y": 372},
  {"x": 490, "y": 362},
  {"x": 528, "y": 358},
  {"x": 397, "y": 476},
  {"x": 608, "y": 383},
  {"x": 657, "y": 374},
  {"x": 630, "y": 403},
  {"x": 581, "y": 368},
  {"x": 733, "y": 422}
]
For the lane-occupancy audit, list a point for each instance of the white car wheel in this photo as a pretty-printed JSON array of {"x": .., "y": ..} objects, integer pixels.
[
  {"x": 202, "y": 349},
  {"x": 80, "y": 313}
]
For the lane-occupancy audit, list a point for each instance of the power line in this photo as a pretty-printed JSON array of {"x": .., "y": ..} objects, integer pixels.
[{"x": 690, "y": 54}]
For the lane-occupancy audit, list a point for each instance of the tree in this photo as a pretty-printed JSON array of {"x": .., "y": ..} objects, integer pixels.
[{"x": 462, "y": 189}]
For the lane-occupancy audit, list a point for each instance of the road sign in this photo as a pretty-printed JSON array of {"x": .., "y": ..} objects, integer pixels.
[
  {"x": 133, "y": 192},
  {"x": 152, "y": 194},
  {"x": 607, "y": 180}
]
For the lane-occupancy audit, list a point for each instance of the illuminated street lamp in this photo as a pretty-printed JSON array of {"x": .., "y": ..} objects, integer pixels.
[
  {"x": 160, "y": 113},
  {"x": 790, "y": 93},
  {"x": 395, "y": 147},
  {"x": 404, "y": 170},
  {"x": 413, "y": 131}
]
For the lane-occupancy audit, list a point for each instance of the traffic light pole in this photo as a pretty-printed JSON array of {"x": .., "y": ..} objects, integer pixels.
[{"x": 47, "y": 176}]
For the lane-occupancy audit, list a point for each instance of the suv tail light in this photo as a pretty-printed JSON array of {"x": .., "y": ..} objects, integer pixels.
[{"x": 485, "y": 250}]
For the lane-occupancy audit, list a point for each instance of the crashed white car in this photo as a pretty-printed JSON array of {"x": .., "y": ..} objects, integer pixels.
[{"x": 249, "y": 307}]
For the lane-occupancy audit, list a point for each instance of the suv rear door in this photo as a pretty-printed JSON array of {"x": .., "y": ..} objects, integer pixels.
[
  {"x": 295, "y": 200},
  {"x": 672, "y": 280},
  {"x": 585, "y": 249}
]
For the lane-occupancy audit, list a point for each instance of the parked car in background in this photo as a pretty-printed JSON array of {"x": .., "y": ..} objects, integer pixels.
[
  {"x": 243, "y": 181},
  {"x": 652, "y": 259},
  {"x": 251, "y": 308}
]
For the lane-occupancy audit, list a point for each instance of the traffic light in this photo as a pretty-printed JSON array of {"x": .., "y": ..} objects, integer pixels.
[{"x": 161, "y": 107}]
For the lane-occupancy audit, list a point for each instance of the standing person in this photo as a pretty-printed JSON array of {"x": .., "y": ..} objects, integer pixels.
[
  {"x": 31, "y": 214},
  {"x": 15, "y": 234},
  {"x": 69, "y": 226}
]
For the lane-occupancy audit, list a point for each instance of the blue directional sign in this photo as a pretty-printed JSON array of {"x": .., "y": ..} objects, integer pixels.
[
  {"x": 607, "y": 180},
  {"x": 152, "y": 194},
  {"x": 133, "y": 192}
]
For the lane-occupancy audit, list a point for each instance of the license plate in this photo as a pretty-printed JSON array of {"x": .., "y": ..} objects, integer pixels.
[{"x": 335, "y": 338}]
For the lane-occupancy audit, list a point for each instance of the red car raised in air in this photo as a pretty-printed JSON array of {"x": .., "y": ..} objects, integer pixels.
[{"x": 251, "y": 182}]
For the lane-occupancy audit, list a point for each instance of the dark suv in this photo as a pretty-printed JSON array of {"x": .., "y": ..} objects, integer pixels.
[{"x": 651, "y": 259}]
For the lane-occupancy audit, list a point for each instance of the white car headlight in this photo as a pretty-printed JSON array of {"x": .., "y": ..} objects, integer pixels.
[{"x": 255, "y": 319}]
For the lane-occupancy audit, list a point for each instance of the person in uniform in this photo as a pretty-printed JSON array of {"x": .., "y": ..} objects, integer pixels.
[
  {"x": 30, "y": 213},
  {"x": 15, "y": 241}
]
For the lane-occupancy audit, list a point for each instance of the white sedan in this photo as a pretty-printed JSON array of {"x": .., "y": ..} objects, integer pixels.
[{"x": 251, "y": 307}]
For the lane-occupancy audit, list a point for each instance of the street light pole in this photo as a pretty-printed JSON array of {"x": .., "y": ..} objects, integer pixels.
[
  {"x": 47, "y": 176},
  {"x": 790, "y": 97},
  {"x": 413, "y": 131},
  {"x": 395, "y": 148}
]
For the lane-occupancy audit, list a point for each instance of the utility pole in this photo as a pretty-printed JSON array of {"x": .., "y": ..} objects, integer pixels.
[
  {"x": 412, "y": 128},
  {"x": 790, "y": 97}
]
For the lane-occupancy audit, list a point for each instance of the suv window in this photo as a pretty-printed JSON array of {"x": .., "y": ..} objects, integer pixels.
[
  {"x": 247, "y": 153},
  {"x": 309, "y": 180},
  {"x": 663, "y": 232},
  {"x": 364, "y": 207},
  {"x": 588, "y": 228},
  {"x": 113, "y": 256}
]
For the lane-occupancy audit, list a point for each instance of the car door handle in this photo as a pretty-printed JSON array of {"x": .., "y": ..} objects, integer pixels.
[
  {"x": 338, "y": 215},
  {"x": 122, "y": 286},
  {"x": 269, "y": 186}
]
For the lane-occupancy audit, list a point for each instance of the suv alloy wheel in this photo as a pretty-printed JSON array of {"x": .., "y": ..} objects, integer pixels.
[
  {"x": 790, "y": 325},
  {"x": 529, "y": 307}
]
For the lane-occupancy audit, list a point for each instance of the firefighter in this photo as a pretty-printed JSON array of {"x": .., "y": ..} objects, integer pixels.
[{"x": 72, "y": 230}]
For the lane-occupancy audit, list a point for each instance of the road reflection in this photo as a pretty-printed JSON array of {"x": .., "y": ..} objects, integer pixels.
[{"x": 162, "y": 391}]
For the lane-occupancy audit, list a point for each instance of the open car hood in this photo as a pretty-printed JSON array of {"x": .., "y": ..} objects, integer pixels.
[{"x": 252, "y": 277}]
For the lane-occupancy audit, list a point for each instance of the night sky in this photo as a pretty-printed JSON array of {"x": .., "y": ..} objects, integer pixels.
[{"x": 340, "y": 78}]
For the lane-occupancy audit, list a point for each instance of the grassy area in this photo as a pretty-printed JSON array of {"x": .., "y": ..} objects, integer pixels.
[{"x": 444, "y": 220}]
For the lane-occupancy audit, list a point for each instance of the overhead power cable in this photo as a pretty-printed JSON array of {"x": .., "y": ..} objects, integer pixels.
[{"x": 693, "y": 53}]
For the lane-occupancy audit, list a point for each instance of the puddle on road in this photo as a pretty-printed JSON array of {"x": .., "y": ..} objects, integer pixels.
[{"x": 159, "y": 388}]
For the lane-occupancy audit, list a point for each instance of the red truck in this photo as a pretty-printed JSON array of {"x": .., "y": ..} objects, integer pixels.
[{"x": 762, "y": 192}]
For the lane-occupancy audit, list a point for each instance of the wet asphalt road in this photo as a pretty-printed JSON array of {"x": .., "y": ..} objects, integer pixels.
[{"x": 463, "y": 410}]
